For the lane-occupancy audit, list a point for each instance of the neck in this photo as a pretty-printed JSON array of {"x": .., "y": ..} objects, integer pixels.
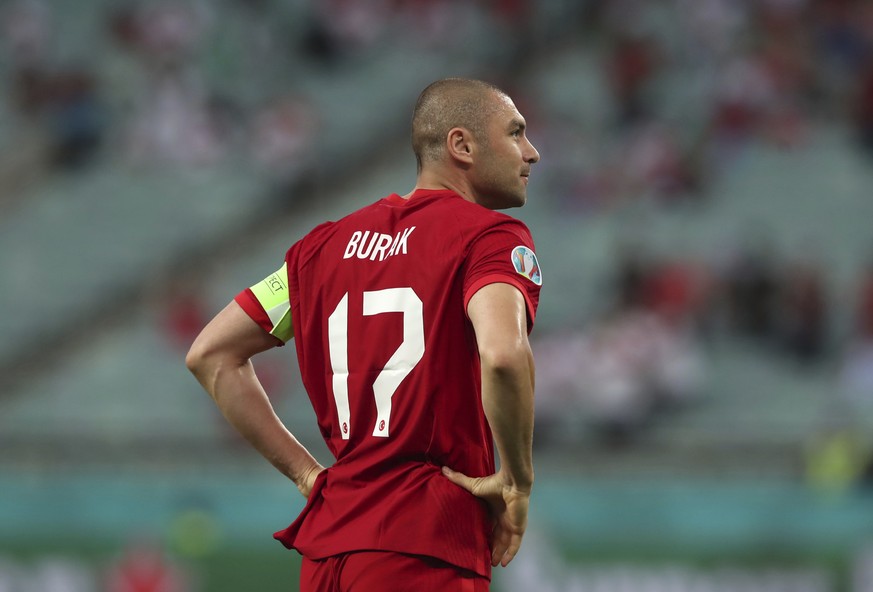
[{"x": 438, "y": 178}]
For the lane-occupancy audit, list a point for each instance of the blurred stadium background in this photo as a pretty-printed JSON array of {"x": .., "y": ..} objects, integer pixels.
[{"x": 703, "y": 211}]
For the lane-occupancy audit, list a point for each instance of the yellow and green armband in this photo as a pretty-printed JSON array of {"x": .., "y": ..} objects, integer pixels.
[{"x": 272, "y": 294}]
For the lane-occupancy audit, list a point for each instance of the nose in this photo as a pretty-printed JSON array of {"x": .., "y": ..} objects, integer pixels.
[{"x": 531, "y": 155}]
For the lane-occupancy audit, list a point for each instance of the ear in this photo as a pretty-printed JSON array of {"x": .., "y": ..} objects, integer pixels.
[{"x": 460, "y": 145}]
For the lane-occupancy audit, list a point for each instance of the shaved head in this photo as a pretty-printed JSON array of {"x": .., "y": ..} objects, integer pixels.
[{"x": 447, "y": 104}]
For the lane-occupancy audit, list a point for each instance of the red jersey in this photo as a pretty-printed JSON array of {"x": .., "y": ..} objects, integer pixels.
[{"x": 389, "y": 360}]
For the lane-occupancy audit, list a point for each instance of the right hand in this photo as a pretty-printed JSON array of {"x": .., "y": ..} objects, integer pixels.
[
  {"x": 306, "y": 480},
  {"x": 508, "y": 504}
]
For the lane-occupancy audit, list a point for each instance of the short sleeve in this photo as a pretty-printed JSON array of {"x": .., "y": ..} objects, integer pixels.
[
  {"x": 268, "y": 304},
  {"x": 504, "y": 254}
]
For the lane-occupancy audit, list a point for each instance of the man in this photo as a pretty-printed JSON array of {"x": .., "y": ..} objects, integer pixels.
[{"x": 410, "y": 318}]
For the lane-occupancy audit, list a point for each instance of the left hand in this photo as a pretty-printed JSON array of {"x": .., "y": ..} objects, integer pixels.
[{"x": 509, "y": 506}]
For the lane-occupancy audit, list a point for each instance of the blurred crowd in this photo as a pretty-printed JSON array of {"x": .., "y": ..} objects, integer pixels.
[
  {"x": 684, "y": 89},
  {"x": 192, "y": 83},
  {"x": 543, "y": 568},
  {"x": 143, "y": 566},
  {"x": 649, "y": 349},
  {"x": 686, "y": 85}
]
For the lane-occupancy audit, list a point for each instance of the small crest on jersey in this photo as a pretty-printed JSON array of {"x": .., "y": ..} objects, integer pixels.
[{"x": 525, "y": 263}]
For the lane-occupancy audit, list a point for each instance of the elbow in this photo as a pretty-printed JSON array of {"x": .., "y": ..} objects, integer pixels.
[
  {"x": 204, "y": 366},
  {"x": 209, "y": 362},
  {"x": 194, "y": 360},
  {"x": 506, "y": 358},
  {"x": 199, "y": 359}
]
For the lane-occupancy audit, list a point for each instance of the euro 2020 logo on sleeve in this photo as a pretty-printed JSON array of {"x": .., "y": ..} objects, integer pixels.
[{"x": 525, "y": 263}]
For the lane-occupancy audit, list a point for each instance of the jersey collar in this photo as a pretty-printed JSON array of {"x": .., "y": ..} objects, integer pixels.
[{"x": 396, "y": 199}]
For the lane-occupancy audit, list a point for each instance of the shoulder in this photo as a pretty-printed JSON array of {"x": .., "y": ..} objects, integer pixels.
[
  {"x": 498, "y": 222},
  {"x": 479, "y": 219},
  {"x": 314, "y": 240},
  {"x": 326, "y": 230},
  {"x": 303, "y": 250}
]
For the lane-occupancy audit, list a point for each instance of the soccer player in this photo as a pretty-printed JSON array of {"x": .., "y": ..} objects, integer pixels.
[{"x": 410, "y": 318}]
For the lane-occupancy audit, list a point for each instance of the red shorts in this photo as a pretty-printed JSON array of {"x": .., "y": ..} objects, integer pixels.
[{"x": 384, "y": 571}]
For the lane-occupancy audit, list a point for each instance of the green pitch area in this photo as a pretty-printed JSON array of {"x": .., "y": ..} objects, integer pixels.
[{"x": 92, "y": 565}]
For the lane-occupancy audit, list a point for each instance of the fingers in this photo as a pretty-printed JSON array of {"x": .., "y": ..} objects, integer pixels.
[
  {"x": 511, "y": 552},
  {"x": 509, "y": 509},
  {"x": 459, "y": 479},
  {"x": 504, "y": 547}
]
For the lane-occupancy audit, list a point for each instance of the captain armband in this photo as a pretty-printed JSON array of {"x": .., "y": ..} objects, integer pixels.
[{"x": 272, "y": 294}]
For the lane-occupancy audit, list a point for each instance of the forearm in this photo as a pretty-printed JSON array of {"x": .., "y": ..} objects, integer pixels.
[
  {"x": 242, "y": 400},
  {"x": 508, "y": 401}
]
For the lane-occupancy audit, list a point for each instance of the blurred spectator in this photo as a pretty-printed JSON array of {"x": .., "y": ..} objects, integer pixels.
[
  {"x": 65, "y": 103},
  {"x": 614, "y": 376},
  {"x": 557, "y": 405},
  {"x": 641, "y": 358},
  {"x": 27, "y": 29},
  {"x": 318, "y": 41},
  {"x": 512, "y": 19},
  {"x": 654, "y": 164},
  {"x": 856, "y": 374},
  {"x": 632, "y": 64},
  {"x": 76, "y": 115},
  {"x": 173, "y": 124},
  {"x": 790, "y": 67},
  {"x": 176, "y": 119},
  {"x": 631, "y": 283},
  {"x": 349, "y": 27},
  {"x": 751, "y": 290},
  {"x": 677, "y": 293},
  {"x": 60, "y": 105},
  {"x": 862, "y": 569},
  {"x": 573, "y": 177},
  {"x": 123, "y": 26},
  {"x": 673, "y": 290},
  {"x": 743, "y": 97},
  {"x": 429, "y": 23},
  {"x": 51, "y": 573},
  {"x": 282, "y": 135},
  {"x": 611, "y": 376},
  {"x": 712, "y": 28},
  {"x": 60, "y": 574},
  {"x": 144, "y": 567},
  {"x": 837, "y": 458},
  {"x": 26, "y": 164},
  {"x": 803, "y": 311},
  {"x": 593, "y": 383},
  {"x": 843, "y": 44},
  {"x": 185, "y": 312},
  {"x": 864, "y": 306},
  {"x": 863, "y": 107},
  {"x": 168, "y": 33}
]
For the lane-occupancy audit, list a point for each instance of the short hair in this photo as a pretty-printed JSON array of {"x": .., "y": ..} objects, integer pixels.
[{"x": 449, "y": 103}]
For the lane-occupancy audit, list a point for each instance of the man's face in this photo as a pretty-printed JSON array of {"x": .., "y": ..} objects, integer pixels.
[{"x": 501, "y": 169}]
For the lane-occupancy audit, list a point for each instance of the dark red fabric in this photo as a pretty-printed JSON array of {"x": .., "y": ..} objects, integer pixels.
[
  {"x": 365, "y": 571},
  {"x": 387, "y": 493}
]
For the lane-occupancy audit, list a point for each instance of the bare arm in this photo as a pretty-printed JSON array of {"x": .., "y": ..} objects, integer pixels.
[
  {"x": 220, "y": 358},
  {"x": 499, "y": 318}
]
